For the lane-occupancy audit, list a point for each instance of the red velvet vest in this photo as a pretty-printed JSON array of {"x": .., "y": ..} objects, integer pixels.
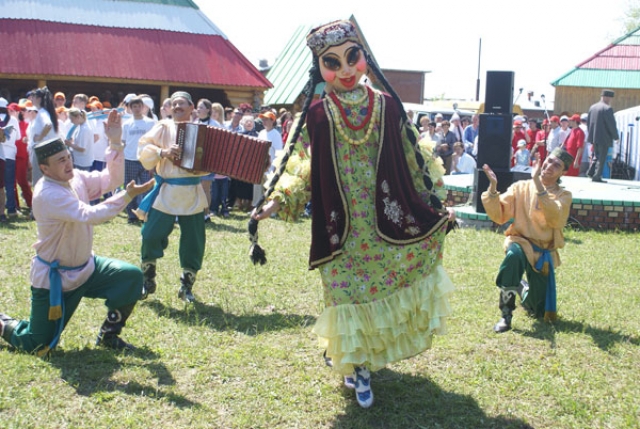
[{"x": 402, "y": 216}]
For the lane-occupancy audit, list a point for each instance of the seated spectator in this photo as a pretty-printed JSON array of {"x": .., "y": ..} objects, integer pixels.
[{"x": 462, "y": 162}]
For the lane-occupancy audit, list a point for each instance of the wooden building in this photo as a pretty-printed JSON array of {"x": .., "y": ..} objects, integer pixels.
[
  {"x": 110, "y": 48},
  {"x": 616, "y": 67}
]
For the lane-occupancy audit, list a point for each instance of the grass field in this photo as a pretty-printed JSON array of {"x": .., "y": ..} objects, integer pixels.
[{"x": 244, "y": 356}]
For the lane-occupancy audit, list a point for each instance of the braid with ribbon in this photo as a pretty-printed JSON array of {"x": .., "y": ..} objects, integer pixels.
[{"x": 257, "y": 253}]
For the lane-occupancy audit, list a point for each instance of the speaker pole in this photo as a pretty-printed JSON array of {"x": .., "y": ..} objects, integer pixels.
[{"x": 478, "y": 78}]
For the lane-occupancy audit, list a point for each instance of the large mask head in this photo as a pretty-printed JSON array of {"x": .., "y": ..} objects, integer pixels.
[{"x": 339, "y": 50}]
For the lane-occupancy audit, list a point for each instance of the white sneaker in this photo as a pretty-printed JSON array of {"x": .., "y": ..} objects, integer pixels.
[{"x": 364, "y": 394}]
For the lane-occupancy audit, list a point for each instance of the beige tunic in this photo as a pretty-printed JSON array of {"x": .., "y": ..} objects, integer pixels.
[
  {"x": 178, "y": 200},
  {"x": 536, "y": 219}
]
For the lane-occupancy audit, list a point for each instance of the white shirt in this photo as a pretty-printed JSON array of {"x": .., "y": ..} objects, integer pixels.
[
  {"x": 466, "y": 164},
  {"x": 102, "y": 144},
  {"x": 42, "y": 120},
  {"x": 276, "y": 141},
  {"x": 553, "y": 139},
  {"x": 83, "y": 137},
  {"x": 9, "y": 146},
  {"x": 132, "y": 130}
]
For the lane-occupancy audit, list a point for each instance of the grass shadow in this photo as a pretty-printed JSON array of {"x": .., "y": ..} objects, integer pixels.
[
  {"x": 17, "y": 224},
  {"x": 91, "y": 373},
  {"x": 216, "y": 225},
  {"x": 604, "y": 339},
  {"x": 213, "y": 317},
  {"x": 400, "y": 402}
]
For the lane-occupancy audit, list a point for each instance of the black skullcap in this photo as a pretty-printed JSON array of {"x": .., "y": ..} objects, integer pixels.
[{"x": 48, "y": 148}]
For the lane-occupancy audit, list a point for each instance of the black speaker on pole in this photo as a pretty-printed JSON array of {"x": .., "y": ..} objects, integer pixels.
[
  {"x": 498, "y": 96},
  {"x": 494, "y": 141}
]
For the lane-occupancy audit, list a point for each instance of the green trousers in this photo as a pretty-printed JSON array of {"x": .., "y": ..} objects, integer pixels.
[
  {"x": 155, "y": 238},
  {"x": 514, "y": 265},
  {"x": 117, "y": 282}
]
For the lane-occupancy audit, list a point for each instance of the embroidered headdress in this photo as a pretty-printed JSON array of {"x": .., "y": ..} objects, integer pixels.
[{"x": 332, "y": 34}]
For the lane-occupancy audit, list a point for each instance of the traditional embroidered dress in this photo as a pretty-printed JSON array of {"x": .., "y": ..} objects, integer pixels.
[{"x": 385, "y": 290}]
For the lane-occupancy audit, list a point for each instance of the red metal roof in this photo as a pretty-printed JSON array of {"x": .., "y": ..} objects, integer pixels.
[
  {"x": 616, "y": 57},
  {"x": 35, "y": 47}
]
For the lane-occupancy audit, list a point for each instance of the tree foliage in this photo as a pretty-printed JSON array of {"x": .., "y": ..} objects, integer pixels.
[{"x": 631, "y": 19}]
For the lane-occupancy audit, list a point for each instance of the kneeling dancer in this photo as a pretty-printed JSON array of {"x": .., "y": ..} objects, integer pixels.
[
  {"x": 65, "y": 268},
  {"x": 539, "y": 208}
]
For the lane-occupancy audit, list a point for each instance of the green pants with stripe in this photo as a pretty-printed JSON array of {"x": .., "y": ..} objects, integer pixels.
[
  {"x": 117, "y": 282},
  {"x": 155, "y": 238},
  {"x": 513, "y": 266}
]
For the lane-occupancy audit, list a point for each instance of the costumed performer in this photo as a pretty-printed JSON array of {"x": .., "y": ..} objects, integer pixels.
[{"x": 378, "y": 223}]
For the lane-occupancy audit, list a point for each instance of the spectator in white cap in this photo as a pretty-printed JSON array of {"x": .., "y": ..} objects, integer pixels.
[
  {"x": 125, "y": 104},
  {"x": 438, "y": 118},
  {"x": 522, "y": 156},
  {"x": 127, "y": 98},
  {"x": 148, "y": 108},
  {"x": 456, "y": 127}
]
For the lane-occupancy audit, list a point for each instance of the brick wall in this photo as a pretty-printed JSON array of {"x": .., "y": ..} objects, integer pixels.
[{"x": 595, "y": 215}]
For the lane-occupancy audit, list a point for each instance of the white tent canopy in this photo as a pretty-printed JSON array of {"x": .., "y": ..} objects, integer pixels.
[{"x": 628, "y": 122}]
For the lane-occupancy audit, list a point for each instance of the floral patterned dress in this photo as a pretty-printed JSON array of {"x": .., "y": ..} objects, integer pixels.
[{"x": 383, "y": 301}]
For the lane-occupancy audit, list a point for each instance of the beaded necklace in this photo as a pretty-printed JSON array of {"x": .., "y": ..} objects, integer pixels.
[
  {"x": 353, "y": 98},
  {"x": 341, "y": 118}
]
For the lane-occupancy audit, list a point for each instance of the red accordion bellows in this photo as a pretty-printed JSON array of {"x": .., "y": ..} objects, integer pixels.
[{"x": 217, "y": 150}]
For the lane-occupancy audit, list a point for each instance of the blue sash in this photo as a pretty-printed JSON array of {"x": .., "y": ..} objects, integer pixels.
[
  {"x": 56, "y": 303},
  {"x": 147, "y": 201},
  {"x": 550, "y": 308}
]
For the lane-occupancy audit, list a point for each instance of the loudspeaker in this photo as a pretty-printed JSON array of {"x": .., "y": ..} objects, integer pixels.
[
  {"x": 505, "y": 179},
  {"x": 498, "y": 95},
  {"x": 494, "y": 141}
]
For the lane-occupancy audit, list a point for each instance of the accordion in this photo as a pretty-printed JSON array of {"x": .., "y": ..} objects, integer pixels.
[{"x": 217, "y": 150}]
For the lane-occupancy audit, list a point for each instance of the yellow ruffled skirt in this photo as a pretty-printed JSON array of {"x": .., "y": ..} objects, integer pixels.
[{"x": 380, "y": 332}]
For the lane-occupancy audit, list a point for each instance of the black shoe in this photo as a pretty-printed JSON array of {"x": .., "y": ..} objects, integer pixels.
[
  {"x": 186, "y": 281},
  {"x": 186, "y": 295},
  {"x": 113, "y": 342},
  {"x": 7, "y": 324},
  {"x": 327, "y": 359},
  {"x": 149, "y": 282},
  {"x": 148, "y": 287},
  {"x": 133, "y": 221},
  {"x": 598, "y": 180},
  {"x": 503, "y": 325}
]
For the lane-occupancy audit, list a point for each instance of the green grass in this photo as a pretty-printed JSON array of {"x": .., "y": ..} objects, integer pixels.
[{"x": 244, "y": 355}]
